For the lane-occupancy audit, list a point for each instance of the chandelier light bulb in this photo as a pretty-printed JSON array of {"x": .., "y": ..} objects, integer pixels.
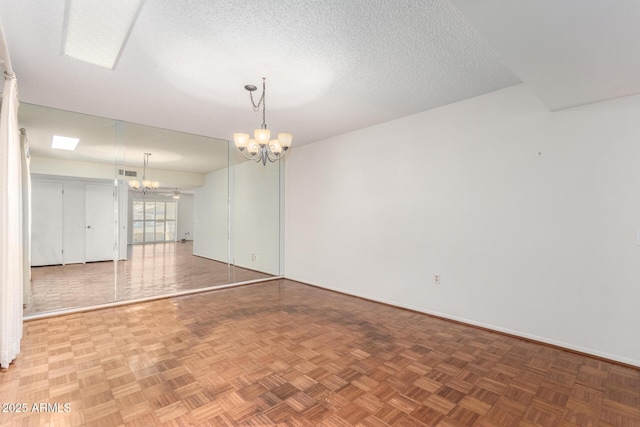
[
  {"x": 241, "y": 140},
  {"x": 262, "y": 136},
  {"x": 275, "y": 147},
  {"x": 285, "y": 140}
]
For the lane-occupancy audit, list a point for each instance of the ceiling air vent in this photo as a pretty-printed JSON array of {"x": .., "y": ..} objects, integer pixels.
[{"x": 127, "y": 173}]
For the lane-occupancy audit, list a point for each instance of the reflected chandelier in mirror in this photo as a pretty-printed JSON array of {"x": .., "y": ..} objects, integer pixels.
[{"x": 147, "y": 185}]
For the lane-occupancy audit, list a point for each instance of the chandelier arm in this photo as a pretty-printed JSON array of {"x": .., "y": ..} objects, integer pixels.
[
  {"x": 274, "y": 157},
  {"x": 250, "y": 156}
]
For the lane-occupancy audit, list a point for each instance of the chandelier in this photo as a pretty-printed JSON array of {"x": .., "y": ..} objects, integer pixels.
[
  {"x": 260, "y": 148},
  {"x": 146, "y": 184}
]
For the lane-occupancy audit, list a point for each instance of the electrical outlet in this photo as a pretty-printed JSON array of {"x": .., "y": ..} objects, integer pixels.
[
  {"x": 436, "y": 278},
  {"x": 254, "y": 257}
]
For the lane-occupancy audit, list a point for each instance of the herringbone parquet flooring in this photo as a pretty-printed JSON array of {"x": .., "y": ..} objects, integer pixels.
[{"x": 282, "y": 353}]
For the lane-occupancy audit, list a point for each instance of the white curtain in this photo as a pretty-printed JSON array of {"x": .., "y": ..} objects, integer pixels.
[{"x": 11, "y": 231}]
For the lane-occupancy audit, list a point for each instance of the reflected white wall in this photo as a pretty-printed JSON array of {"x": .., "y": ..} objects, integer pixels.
[
  {"x": 210, "y": 217},
  {"x": 256, "y": 216},
  {"x": 185, "y": 217}
]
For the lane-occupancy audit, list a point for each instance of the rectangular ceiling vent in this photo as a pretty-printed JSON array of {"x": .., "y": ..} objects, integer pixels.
[{"x": 127, "y": 173}]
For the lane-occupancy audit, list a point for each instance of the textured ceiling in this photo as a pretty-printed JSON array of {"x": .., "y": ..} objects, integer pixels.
[{"x": 331, "y": 66}]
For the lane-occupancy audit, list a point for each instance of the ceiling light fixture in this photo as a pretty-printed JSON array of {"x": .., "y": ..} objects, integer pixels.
[
  {"x": 260, "y": 148},
  {"x": 147, "y": 185},
  {"x": 64, "y": 143},
  {"x": 96, "y": 31}
]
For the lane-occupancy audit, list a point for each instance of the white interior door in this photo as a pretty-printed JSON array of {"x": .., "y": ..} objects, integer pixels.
[
  {"x": 100, "y": 222},
  {"x": 46, "y": 223}
]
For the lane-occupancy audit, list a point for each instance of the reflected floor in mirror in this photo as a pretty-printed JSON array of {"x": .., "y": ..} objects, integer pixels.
[{"x": 151, "y": 270}]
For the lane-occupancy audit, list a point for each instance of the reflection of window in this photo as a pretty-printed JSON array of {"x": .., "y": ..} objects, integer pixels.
[{"x": 154, "y": 221}]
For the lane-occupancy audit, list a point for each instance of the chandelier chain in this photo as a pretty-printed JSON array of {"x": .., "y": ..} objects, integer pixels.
[
  {"x": 256, "y": 107},
  {"x": 145, "y": 164},
  {"x": 145, "y": 185},
  {"x": 261, "y": 101}
]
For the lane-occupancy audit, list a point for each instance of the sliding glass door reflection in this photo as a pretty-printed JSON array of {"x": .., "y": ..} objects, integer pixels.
[{"x": 154, "y": 221}]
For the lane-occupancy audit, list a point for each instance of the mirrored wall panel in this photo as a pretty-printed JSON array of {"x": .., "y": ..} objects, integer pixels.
[
  {"x": 255, "y": 214},
  {"x": 135, "y": 212}
]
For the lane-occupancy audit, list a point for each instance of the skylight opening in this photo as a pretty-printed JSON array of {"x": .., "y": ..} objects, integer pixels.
[
  {"x": 96, "y": 31},
  {"x": 64, "y": 143}
]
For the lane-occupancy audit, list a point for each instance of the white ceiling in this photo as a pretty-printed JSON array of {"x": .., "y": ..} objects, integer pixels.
[
  {"x": 568, "y": 52},
  {"x": 332, "y": 66}
]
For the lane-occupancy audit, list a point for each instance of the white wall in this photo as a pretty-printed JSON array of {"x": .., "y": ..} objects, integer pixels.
[
  {"x": 72, "y": 168},
  {"x": 210, "y": 217},
  {"x": 530, "y": 217},
  {"x": 255, "y": 216},
  {"x": 185, "y": 217},
  {"x": 123, "y": 218}
]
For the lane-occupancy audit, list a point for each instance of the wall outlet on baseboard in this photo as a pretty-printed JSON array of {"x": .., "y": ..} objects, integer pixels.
[
  {"x": 436, "y": 278},
  {"x": 254, "y": 257}
]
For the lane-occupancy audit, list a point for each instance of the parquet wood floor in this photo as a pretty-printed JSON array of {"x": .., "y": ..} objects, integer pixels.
[
  {"x": 150, "y": 270},
  {"x": 281, "y": 353}
]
